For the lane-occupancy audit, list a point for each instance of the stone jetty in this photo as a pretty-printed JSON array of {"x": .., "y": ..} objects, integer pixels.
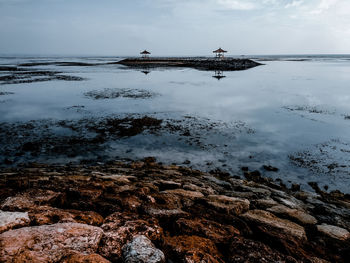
[
  {"x": 226, "y": 64},
  {"x": 148, "y": 212}
]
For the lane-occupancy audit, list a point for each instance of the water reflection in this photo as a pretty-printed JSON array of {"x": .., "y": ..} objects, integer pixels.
[
  {"x": 219, "y": 74},
  {"x": 297, "y": 110},
  {"x": 146, "y": 72}
]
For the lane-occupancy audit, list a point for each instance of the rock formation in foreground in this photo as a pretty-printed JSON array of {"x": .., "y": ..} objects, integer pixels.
[{"x": 147, "y": 212}]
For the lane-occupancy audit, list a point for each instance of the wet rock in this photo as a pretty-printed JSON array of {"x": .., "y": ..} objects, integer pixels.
[
  {"x": 82, "y": 258},
  {"x": 264, "y": 203},
  {"x": 185, "y": 193},
  {"x": 293, "y": 214},
  {"x": 245, "y": 250},
  {"x": 167, "y": 185},
  {"x": 11, "y": 220},
  {"x": 49, "y": 243},
  {"x": 290, "y": 201},
  {"x": 270, "y": 168},
  {"x": 48, "y": 215},
  {"x": 212, "y": 230},
  {"x": 252, "y": 192},
  {"x": 229, "y": 205},
  {"x": 190, "y": 249},
  {"x": 30, "y": 199},
  {"x": 219, "y": 182},
  {"x": 276, "y": 226},
  {"x": 206, "y": 190},
  {"x": 142, "y": 250},
  {"x": 334, "y": 232},
  {"x": 119, "y": 229},
  {"x": 166, "y": 213},
  {"x": 295, "y": 187},
  {"x": 318, "y": 260},
  {"x": 193, "y": 221},
  {"x": 279, "y": 232}
]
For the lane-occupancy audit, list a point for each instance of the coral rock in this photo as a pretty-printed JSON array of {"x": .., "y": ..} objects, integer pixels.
[
  {"x": 334, "y": 232},
  {"x": 142, "y": 250},
  {"x": 10, "y": 220},
  {"x": 48, "y": 243}
]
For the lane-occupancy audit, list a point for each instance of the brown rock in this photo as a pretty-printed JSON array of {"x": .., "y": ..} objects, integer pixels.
[
  {"x": 278, "y": 232},
  {"x": 11, "y": 220},
  {"x": 245, "y": 250},
  {"x": 264, "y": 203},
  {"x": 49, "y": 243},
  {"x": 318, "y": 260},
  {"x": 29, "y": 199},
  {"x": 205, "y": 189},
  {"x": 293, "y": 214},
  {"x": 167, "y": 185},
  {"x": 192, "y": 249},
  {"x": 82, "y": 258},
  {"x": 274, "y": 225},
  {"x": 166, "y": 213},
  {"x": 334, "y": 232},
  {"x": 228, "y": 205},
  {"x": 44, "y": 215},
  {"x": 185, "y": 193},
  {"x": 119, "y": 229},
  {"x": 214, "y": 231}
]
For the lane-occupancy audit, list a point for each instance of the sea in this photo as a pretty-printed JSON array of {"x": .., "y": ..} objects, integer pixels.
[{"x": 288, "y": 118}]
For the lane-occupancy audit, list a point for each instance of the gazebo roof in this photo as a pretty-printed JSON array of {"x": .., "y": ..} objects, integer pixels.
[
  {"x": 145, "y": 52},
  {"x": 220, "y": 50}
]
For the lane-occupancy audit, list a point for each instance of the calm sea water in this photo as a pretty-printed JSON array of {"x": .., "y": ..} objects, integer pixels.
[{"x": 292, "y": 113}]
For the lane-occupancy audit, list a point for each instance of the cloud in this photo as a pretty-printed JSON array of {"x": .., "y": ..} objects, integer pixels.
[
  {"x": 237, "y": 4},
  {"x": 324, "y": 6},
  {"x": 294, "y": 3}
]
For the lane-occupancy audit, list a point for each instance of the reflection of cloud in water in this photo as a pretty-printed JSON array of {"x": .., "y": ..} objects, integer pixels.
[
  {"x": 187, "y": 83},
  {"x": 128, "y": 135},
  {"x": 120, "y": 93}
]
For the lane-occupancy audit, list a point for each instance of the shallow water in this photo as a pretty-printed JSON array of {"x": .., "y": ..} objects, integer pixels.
[{"x": 289, "y": 114}]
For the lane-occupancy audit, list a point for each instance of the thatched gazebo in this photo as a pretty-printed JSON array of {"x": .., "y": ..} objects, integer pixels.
[
  {"x": 145, "y": 54},
  {"x": 219, "y": 53}
]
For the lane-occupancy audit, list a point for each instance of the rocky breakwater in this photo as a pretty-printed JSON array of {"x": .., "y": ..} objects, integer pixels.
[
  {"x": 148, "y": 212},
  {"x": 227, "y": 64}
]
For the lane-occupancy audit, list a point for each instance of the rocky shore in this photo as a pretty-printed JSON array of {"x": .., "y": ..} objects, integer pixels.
[
  {"x": 148, "y": 212},
  {"x": 227, "y": 64}
]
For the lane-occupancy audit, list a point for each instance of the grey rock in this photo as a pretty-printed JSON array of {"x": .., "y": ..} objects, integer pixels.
[
  {"x": 142, "y": 250},
  {"x": 10, "y": 220},
  {"x": 334, "y": 231}
]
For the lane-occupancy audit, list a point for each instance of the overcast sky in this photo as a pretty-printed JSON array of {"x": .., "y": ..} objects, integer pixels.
[{"x": 174, "y": 27}]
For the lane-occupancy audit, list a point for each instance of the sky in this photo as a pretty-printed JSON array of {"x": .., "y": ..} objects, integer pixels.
[{"x": 174, "y": 27}]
